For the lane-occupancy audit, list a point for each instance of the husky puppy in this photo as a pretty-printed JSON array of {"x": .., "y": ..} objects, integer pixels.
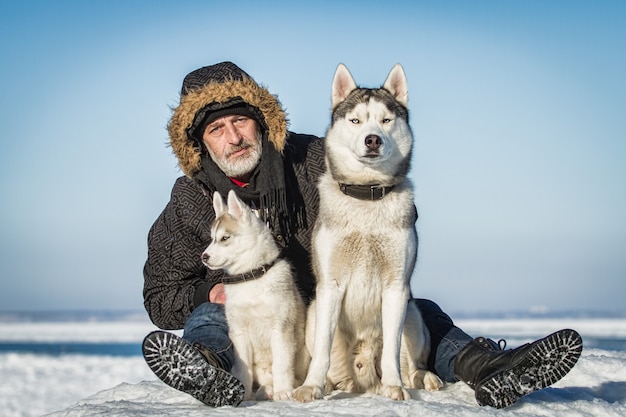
[
  {"x": 364, "y": 248},
  {"x": 264, "y": 309}
]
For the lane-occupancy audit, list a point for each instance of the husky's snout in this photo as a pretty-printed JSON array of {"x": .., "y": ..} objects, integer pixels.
[
  {"x": 373, "y": 143},
  {"x": 205, "y": 258}
]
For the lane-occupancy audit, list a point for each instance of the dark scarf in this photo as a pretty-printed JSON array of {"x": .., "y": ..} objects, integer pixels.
[{"x": 272, "y": 189}]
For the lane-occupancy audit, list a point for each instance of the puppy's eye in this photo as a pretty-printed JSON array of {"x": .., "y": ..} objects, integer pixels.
[
  {"x": 225, "y": 238},
  {"x": 385, "y": 121},
  {"x": 355, "y": 121}
]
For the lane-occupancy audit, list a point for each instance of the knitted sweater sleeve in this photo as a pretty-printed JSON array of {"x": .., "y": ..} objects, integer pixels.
[{"x": 175, "y": 280}]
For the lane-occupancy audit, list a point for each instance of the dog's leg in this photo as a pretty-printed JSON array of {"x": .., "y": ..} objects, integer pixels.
[
  {"x": 303, "y": 358},
  {"x": 414, "y": 353},
  {"x": 283, "y": 341},
  {"x": 328, "y": 305},
  {"x": 341, "y": 374},
  {"x": 395, "y": 297},
  {"x": 263, "y": 376},
  {"x": 242, "y": 368}
]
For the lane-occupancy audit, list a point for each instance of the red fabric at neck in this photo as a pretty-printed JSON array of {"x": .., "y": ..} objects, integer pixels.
[{"x": 238, "y": 183}]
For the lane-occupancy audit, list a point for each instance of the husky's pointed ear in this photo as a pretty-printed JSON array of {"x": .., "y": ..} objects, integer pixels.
[
  {"x": 236, "y": 207},
  {"x": 218, "y": 204},
  {"x": 396, "y": 84},
  {"x": 343, "y": 84}
]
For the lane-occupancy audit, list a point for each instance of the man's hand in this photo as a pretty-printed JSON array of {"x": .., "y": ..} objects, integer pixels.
[{"x": 217, "y": 294}]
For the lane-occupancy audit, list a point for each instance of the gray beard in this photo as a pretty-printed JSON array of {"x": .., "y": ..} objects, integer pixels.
[{"x": 241, "y": 166}]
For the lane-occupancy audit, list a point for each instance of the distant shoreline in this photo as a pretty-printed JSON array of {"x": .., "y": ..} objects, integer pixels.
[{"x": 80, "y": 316}]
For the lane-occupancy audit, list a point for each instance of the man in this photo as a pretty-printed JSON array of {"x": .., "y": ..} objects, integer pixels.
[{"x": 228, "y": 132}]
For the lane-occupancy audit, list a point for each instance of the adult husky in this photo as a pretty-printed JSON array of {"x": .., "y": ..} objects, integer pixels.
[
  {"x": 265, "y": 311},
  {"x": 365, "y": 246}
]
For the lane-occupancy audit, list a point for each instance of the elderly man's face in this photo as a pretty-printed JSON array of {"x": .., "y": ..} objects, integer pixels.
[{"x": 234, "y": 143}]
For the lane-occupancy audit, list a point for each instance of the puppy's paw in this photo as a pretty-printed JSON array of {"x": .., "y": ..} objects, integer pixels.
[{"x": 283, "y": 395}]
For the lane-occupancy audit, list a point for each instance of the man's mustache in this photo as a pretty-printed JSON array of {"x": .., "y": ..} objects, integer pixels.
[{"x": 237, "y": 148}]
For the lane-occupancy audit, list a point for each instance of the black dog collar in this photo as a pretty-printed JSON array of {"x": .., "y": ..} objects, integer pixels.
[
  {"x": 365, "y": 192},
  {"x": 248, "y": 276}
]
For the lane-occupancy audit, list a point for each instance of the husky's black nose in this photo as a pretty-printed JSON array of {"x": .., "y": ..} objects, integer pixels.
[
  {"x": 205, "y": 258},
  {"x": 373, "y": 142}
]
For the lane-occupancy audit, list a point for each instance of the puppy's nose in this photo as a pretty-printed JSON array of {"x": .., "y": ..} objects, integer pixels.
[
  {"x": 373, "y": 142},
  {"x": 205, "y": 258}
]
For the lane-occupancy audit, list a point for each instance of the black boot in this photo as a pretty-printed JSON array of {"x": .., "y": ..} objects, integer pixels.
[
  {"x": 195, "y": 370},
  {"x": 501, "y": 377}
]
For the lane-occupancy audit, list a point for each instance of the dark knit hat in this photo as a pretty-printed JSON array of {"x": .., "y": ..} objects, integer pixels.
[
  {"x": 218, "y": 73},
  {"x": 207, "y": 115}
]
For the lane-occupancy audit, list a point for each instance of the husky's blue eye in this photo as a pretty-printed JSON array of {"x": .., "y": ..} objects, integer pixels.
[{"x": 355, "y": 121}]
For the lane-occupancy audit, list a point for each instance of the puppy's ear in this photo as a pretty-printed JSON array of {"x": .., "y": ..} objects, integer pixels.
[
  {"x": 396, "y": 84},
  {"x": 218, "y": 204},
  {"x": 236, "y": 207},
  {"x": 343, "y": 84}
]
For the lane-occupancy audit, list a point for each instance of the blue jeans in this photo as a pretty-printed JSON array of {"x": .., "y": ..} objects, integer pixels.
[
  {"x": 446, "y": 340},
  {"x": 207, "y": 326}
]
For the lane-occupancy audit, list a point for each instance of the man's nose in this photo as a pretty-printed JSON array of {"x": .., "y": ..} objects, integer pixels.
[{"x": 233, "y": 134}]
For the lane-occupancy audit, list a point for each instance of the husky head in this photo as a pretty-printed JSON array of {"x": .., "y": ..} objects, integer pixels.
[
  {"x": 369, "y": 140},
  {"x": 240, "y": 241}
]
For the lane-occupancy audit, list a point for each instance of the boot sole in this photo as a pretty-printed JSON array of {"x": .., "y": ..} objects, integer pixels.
[
  {"x": 182, "y": 367},
  {"x": 549, "y": 360}
]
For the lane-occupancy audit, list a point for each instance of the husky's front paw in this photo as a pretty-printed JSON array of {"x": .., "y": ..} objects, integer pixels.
[
  {"x": 397, "y": 392},
  {"x": 307, "y": 393},
  {"x": 423, "y": 379},
  {"x": 432, "y": 382}
]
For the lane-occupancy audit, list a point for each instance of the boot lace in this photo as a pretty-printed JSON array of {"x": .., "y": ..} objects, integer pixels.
[
  {"x": 501, "y": 344},
  {"x": 210, "y": 356}
]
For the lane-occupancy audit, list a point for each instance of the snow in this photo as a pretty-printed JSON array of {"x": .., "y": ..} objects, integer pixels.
[{"x": 89, "y": 385}]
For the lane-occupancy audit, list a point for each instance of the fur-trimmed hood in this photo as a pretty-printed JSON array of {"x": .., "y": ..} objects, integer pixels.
[{"x": 247, "y": 90}]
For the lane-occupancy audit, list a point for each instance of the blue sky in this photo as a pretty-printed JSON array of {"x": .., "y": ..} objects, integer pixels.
[{"x": 517, "y": 108}]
